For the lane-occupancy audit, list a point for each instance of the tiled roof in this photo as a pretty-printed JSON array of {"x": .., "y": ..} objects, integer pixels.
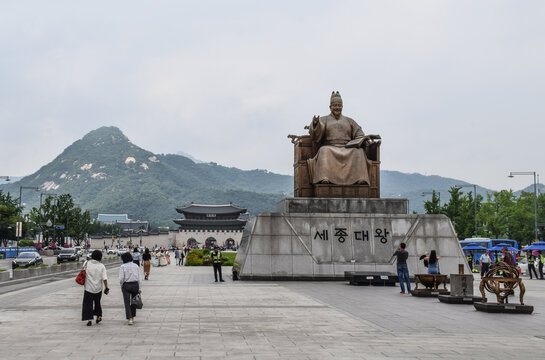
[{"x": 210, "y": 209}]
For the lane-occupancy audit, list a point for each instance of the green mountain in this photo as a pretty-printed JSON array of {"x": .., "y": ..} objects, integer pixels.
[{"x": 106, "y": 173}]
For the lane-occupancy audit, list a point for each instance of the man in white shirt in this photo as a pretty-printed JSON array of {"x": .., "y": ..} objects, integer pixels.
[{"x": 485, "y": 263}]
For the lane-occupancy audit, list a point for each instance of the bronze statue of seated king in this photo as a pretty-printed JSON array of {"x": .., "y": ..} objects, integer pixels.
[{"x": 336, "y": 159}]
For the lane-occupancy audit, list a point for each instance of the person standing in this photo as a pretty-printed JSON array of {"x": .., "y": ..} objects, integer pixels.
[
  {"x": 402, "y": 268},
  {"x": 131, "y": 284},
  {"x": 146, "y": 257},
  {"x": 217, "y": 257},
  {"x": 531, "y": 267},
  {"x": 95, "y": 280},
  {"x": 507, "y": 257},
  {"x": 177, "y": 256},
  {"x": 540, "y": 265},
  {"x": 136, "y": 256},
  {"x": 469, "y": 259},
  {"x": 485, "y": 264}
]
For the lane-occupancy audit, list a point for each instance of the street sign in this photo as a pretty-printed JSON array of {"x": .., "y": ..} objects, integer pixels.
[{"x": 59, "y": 227}]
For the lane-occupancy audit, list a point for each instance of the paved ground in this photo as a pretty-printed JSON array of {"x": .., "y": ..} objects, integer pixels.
[{"x": 186, "y": 315}]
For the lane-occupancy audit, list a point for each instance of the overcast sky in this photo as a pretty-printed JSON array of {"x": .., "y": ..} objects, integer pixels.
[{"x": 455, "y": 88}]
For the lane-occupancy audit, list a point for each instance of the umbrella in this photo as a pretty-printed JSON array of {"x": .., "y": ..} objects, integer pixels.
[
  {"x": 500, "y": 247},
  {"x": 474, "y": 246}
]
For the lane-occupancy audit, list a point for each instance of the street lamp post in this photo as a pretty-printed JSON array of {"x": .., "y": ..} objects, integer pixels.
[
  {"x": 431, "y": 193},
  {"x": 20, "y": 225},
  {"x": 474, "y": 201},
  {"x": 515, "y": 173}
]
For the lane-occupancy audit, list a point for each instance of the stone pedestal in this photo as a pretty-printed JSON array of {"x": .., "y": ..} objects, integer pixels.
[
  {"x": 461, "y": 290},
  {"x": 429, "y": 292},
  {"x": 503, "y": 308},
  {"x": 322, "y": 238}
]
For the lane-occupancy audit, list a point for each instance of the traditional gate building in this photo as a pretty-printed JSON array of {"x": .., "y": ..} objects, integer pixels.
[{"x": 207, "y": 225}]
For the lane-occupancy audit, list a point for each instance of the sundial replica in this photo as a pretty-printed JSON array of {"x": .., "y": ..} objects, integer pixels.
[{"x": 336, "y": 221}]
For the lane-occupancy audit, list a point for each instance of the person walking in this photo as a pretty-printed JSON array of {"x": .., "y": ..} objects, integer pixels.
[
  {"x": 433, "y": 263},
  {"x": 131, "y": 284},
  {"x": 181, "y": 258},
  {"x": 485, "y": 264},
  {"x": 96, "y": 279},
  {"x": 136, "y": 256},
  {"x": 146, "y": 257},
  {"x": 177, "y": 256},
  {"x": 402, "y": 268},
  {"x": 217, "y": 258},
  {"x": 531, "y": 267}
]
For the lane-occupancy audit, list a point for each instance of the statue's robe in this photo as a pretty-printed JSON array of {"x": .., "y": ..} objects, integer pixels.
[{"x": 334, "y": 163}]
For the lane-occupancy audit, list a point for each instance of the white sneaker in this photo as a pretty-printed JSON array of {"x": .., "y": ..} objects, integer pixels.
[{"x": 131, "y": 322}]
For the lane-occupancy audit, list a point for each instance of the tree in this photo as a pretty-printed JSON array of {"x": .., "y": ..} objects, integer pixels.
[
  {"x": 433, "y": 206},
  {"x": 65, "y": 218},
  {"x": 461, "y": 211},
  {"x": 9, "y": 215}
]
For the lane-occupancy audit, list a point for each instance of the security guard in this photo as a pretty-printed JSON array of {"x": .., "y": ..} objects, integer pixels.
[
  {"x": 469, "y": 259},
  {"x": 531, "y": 267},
  {"x": 540, "y": 265},
  {"x": 217, "y": 258}
]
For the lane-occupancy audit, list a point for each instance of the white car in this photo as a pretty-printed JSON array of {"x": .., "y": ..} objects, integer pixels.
[
  {"x": 121, "y": 251},
  {"x": 112, "y": 251},
  {"x": 523, "y": 264}
]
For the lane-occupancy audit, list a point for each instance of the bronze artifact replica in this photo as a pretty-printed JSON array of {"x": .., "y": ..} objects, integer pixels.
[
  {"x": 502, "y": 274},
  {"x": 336, "y": 159}
]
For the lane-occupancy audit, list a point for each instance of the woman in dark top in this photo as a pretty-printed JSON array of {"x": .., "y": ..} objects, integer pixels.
[
  {"x": 146, "y": 257},
  {"x": 433, "y": 263}
]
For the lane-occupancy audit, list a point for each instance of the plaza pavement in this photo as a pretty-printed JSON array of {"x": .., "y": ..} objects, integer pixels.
[{"x": 188, "y": 316}]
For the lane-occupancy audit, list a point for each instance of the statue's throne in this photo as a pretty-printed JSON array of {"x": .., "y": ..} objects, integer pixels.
[{"x": 305, "y": 148}]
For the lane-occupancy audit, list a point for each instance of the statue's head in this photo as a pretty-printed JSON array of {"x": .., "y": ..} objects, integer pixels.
[{"x": 336, "y": 104}]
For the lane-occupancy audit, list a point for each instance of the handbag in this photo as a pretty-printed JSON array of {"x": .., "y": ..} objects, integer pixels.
[
  {"x": 136, "y": 301},
  {"x": 80, "y": 279}
]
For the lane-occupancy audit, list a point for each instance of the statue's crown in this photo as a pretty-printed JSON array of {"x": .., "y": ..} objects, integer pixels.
[{"x": 335, "y": 94}]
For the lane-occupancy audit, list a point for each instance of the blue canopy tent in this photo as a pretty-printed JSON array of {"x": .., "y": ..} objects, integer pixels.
[
  {"x": 538, "y": 245},
  {"x": 499, "y": 247}
]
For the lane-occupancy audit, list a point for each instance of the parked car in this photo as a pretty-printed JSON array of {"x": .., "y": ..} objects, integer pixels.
[
  {"x": 69, "y": 254},
  {"x": 26, "y": 259},
  {"x": 523, "y": 265}
]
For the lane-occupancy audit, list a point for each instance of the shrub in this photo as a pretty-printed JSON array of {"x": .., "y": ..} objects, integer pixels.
[
  {"x": 44, "y": 265},
  {"x": 193, "y": 259},
  {"x": 25, "y": 243}
]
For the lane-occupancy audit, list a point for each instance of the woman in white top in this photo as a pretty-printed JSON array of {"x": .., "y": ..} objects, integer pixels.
[
  {"x": 95, "y": 277},
  {"x": 131, "y": 283}
]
